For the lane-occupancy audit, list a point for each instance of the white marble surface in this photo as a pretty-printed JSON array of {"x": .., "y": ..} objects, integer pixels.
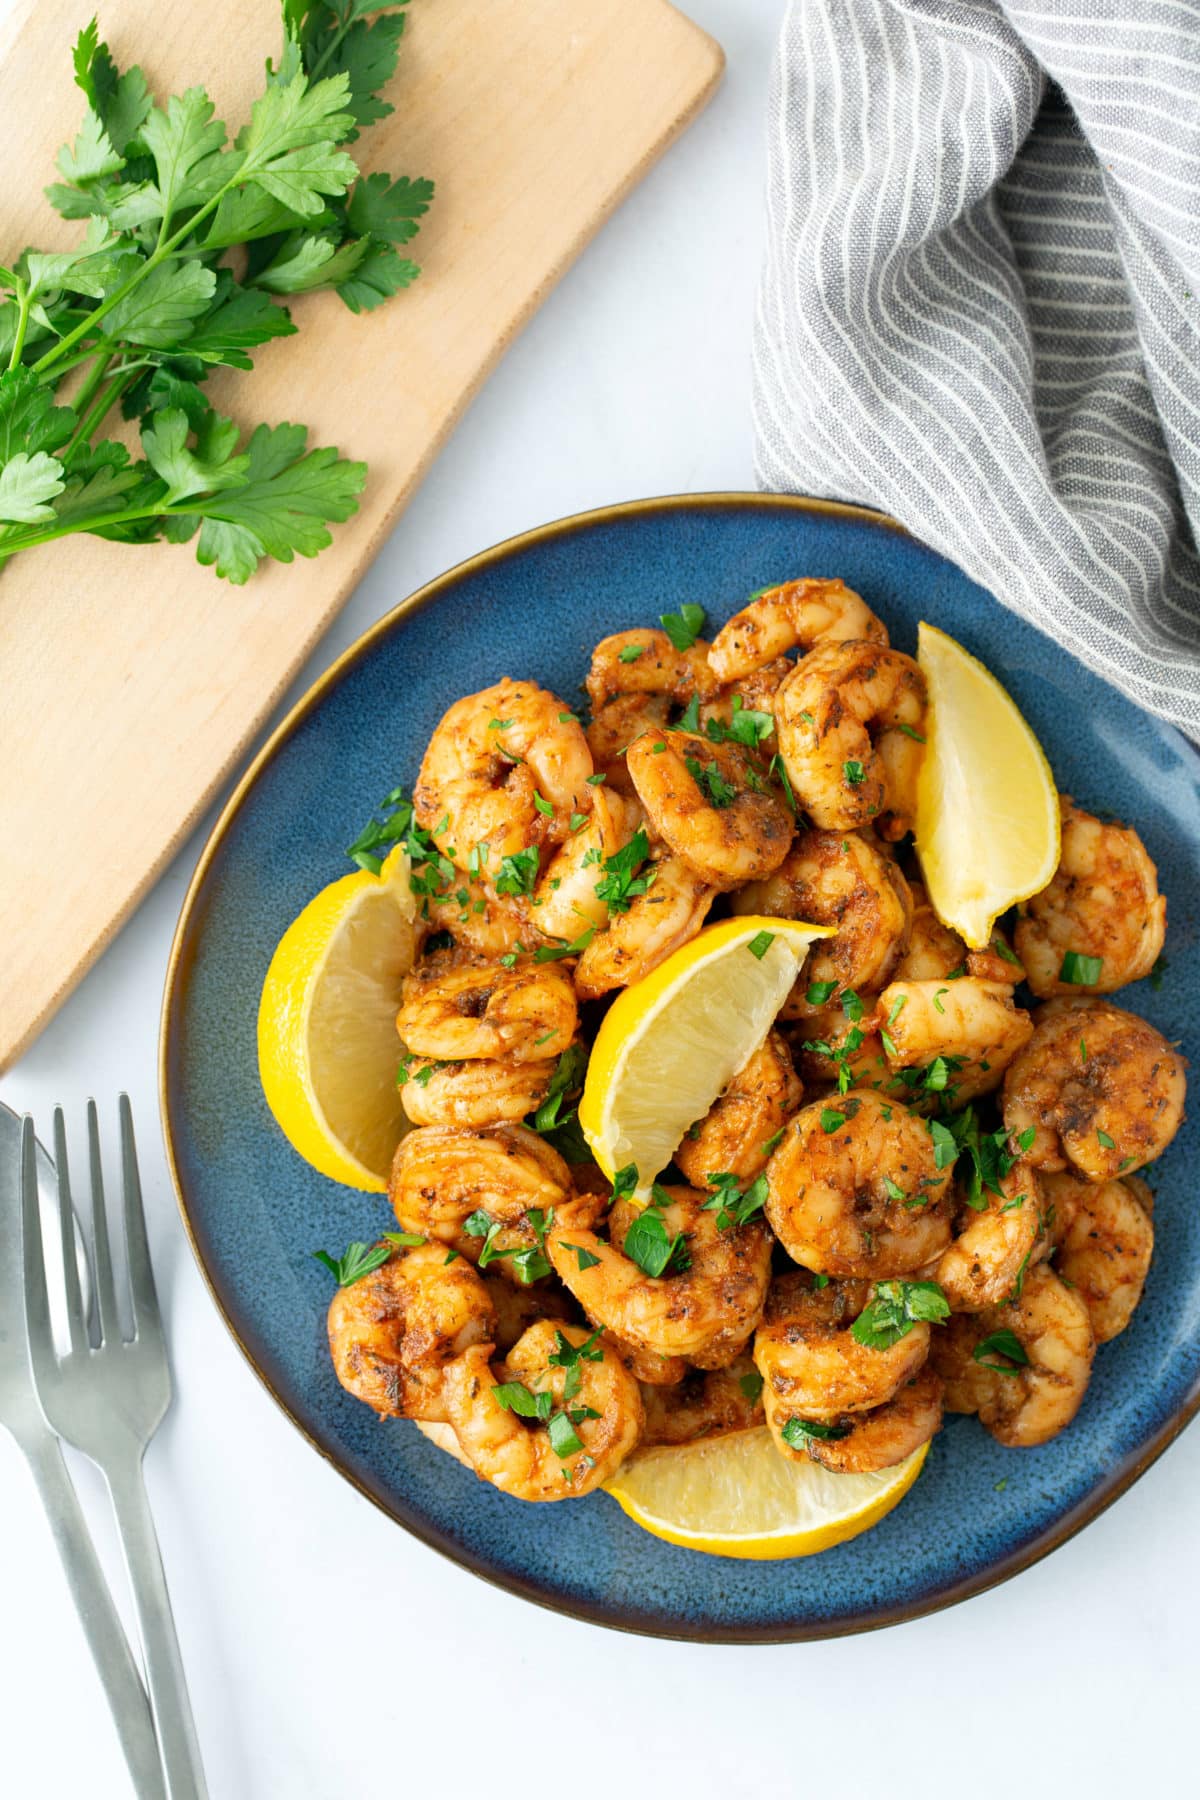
[{"x": 329, "y": 1654}]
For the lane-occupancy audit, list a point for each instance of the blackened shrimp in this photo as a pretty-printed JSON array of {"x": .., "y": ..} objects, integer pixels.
[
  {"x": 392, "y": 1332},
  {"x": 855, "y": 1189},
  {"x": 706, "y": 1403},
  {"x": 1100, "y": 1090},
  {"x": 457, "y": 1007},
  {"x": 593, "y": 1420},
  {"x": 1105, "y": 1238},
  {"x": 707, "y": 1311},
  {"x": 668, "y": 913},
  {"x": 1024, "y": 1366},
  {"x": 740, "y": 1129},
  {"x": 794, "y": 614},
  {"x": 712, "y": 805},
  {"x": 1102, "y": 907},
  {"x": 810, "y": 1360},
  {"x": 841, "y": 879},
  {"x": 484, "y": 1091},
  {"x": 440, "y": 1176},
  {"x": 861, "y": 1443},
  {"x": 491, "y": 758},
  {"x": 996, "y": 1239},
  {"x": 850, "y": 723}
]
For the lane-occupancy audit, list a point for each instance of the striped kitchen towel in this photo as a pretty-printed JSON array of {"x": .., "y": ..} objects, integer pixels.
[{"x": 979, "y": 305}]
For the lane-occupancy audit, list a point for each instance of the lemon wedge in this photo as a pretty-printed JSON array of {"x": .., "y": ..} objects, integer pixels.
[
  {"x": 327, "y": 1044},
  {"x": 987, "y": 827},
  {"x": 736, "y": 1496},
  {"x": 670, "y": 1043}
]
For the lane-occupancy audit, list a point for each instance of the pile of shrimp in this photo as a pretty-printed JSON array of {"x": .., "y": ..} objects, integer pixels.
[{"x": 919, "y": 1195}]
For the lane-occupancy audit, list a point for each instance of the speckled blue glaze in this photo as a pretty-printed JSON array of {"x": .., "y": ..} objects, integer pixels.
[{"x": 256, "y": 1212}]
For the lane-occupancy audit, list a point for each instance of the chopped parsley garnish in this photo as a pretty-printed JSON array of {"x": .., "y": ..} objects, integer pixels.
[
  {"x": 773, "y": 1142},
  {"x": 568, "y": 718},
  {"x": 908, "y": 730},
  {"x": 359, "y": 1260},
  {"x": 796, "y": 1431},
  {"x": 396, "y": 827},
  {"x": 543, "y": 806},
  {"x": 819, "y": 992},
  {"x": 760, "y": 943},
  {"x": 519, "y": 872},
  {"x": 690, "y": 717},
  {"x": 1001, "y": 1351},
  {"x": 937, "y": 1000},
  {"x": 852, "y": 1006},
  {"x": 832, "y": 1120},
  {"x": 893, "y": 1189},
  {"x": 514, "y": 1396},
  {"x": 711, "y": 782},
  {"x": 553, "y": 952},
  {"x": 746, "y": 726},
  {"x": 1081, "y": 971},
  {"x": 685, "y": 626},
  {"x": 404, "y": 1240},
  {"x": 896, "y": 1308},
  {"x": 1157, "y": 972},
  {"x": 649, "y": 1244},
  {"x": 557, "y": 1117},
  {"x": 854, "y": 772},
  {"x": 1002, "y": 950},
  {"x": 620, "y": 884},
  {"x": 1104, "y": 1141},
  {"x": 631, "y": 652},
  {"x": 529, "y": 1263},
  {"x": 733, "y": 1204},
  {"x": 751, "y": 1386},
  {"x": 624, "y": 1181},
  {"x": 945, "y": 1144},
  {"x": 583, "y": 1256},
  {"x": 1018, "y": 1285}
]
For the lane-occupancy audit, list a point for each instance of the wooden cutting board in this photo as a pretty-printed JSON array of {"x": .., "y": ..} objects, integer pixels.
[{"x": 131, "y": 680}]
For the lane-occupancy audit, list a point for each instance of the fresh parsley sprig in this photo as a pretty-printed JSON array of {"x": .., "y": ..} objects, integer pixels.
[
  {"x": 896, "y": 1307},
  {"x": 147, "y": 304}
]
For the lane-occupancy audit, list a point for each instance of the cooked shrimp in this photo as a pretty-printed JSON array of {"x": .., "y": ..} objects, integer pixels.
[
  {"x": 754, "y": 692},
  {"x": 841, "y": 879},
  {"x": 1103, "y": 902},
  {"x": 974, "y": 1026},
  {"x": 440, "y": 1176},
  {"x": 1106, "y": 1239},
  {"x": 480, "y": 922},
  {"x": 706, "y": 1403},
  {"x": 517, "y": 1455},
  {"x": 471, "y": 1094},
  {"x": 860, "y": 1443},
  {"x": 827, "y": 1042},
  {"x": 994, "y": 1243},
  {"x": 566, "y": 902},
  {"x": 490, "y": 757},
  {"x": 671, "y": 911},
  {"x": 712, "y": 806},
  {"x": 1101, "y": 1090},
  {"x": 458, "y": 1007},
  {"x": 613, "y": 728},
  {"x": 518, "y": 1305},
  {"x": 850, "y": 721},
  {"x": 854, "y": 1189},
  {"x": 392, "y": 1333},
  {"x": 810, "y": 1361},
  {"x": 935, "y": 952},
  {"x": 648, "y": 1367},
  {"x": 647, "y": 662},
  {"x": 797, "y": 613},
  {"x": 705, "y": 1313},
  {"x": 735, "y": 1135},
  {"x": 1026, "y": 1399}
]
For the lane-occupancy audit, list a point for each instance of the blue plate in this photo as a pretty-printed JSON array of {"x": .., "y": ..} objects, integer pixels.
[{"x": 255, "y": 1212}]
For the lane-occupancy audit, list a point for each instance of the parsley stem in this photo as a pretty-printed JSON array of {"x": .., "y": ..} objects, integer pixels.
[
  {"x": 103, "y": 404},
  {"x": 83, "y": 400},
  {"x": 22, "y": 327}
]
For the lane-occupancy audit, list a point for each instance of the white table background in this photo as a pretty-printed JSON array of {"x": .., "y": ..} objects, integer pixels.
[{"x": 329, "y": 1654}]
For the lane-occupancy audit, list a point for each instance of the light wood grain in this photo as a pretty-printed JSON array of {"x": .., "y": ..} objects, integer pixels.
[{"x": 130, "y": 679}]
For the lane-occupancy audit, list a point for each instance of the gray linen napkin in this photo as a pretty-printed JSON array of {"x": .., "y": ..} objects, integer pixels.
[{"x": 978, "y": 310}]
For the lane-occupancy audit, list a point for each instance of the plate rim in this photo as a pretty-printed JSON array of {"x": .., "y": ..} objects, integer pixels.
[{"x": 1117, "y": 1481}]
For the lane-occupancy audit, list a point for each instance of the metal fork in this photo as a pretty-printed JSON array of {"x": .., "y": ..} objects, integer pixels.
[
  {"x": 22, "y": 1158},
  {"x": 108, "y": 1402}
]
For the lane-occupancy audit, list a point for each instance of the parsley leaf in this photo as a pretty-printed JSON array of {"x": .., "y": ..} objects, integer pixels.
[
  {"x": 359, "y": 1260},
  {"x": 711, "y": 782},
  {"x": 796, "y": 1431},
  {"x": 518, "y": 873},
  {"x": 733, "y": 1204},
  {"x": 648, "y": 1243},
  {"x": 895, "y": 1309},
  {"x": 685, "y": 626},
  {"x": 1001, "y": 1351},
  {"x": 620, "y": 884},
  {"x": 1080, "y": 971}
]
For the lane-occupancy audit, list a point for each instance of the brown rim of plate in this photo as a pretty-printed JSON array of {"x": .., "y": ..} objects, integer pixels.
[{"x": 1101, "y": 1497}]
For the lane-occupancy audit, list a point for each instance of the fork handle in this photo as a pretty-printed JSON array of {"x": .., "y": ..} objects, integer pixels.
[
  {"x": 160, "y": 1647},
  {"x": 97, "y": 1614}
]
